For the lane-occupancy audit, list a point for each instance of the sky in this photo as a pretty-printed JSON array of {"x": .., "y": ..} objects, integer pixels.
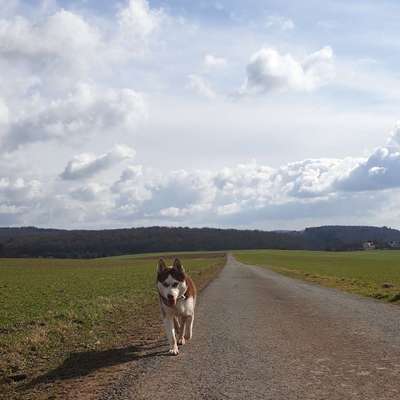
[{"x": 259, "y": 114}]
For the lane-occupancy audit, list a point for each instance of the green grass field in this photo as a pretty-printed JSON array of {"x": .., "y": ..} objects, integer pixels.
[
  {"x": 362, "y": 272},
  {"x": 52, "y": 307}
]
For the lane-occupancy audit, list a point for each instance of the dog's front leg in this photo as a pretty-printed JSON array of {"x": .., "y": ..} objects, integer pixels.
[
  {"x": 181, "y": 331},
  {"x": 170, "y": 331},
  {"x": 189, "y": 327}
]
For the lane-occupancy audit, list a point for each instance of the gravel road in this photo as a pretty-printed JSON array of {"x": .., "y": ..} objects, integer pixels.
[{"x": 260, "y": 335}]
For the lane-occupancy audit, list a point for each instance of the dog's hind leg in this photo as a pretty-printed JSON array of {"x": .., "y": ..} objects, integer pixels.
[{"x": 170, "y": 331}]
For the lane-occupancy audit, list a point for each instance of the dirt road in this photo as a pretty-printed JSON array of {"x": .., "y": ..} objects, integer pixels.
[{"x": 259, "y": 335}]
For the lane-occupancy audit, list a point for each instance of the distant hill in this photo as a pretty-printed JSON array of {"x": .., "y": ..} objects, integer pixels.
[
  {"x": 35, "y": 242},
  {"x": 347, "y": 237}
]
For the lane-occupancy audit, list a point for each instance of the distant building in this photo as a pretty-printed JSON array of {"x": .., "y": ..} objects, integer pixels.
[
  {"x": 394, "y": 244},
  {"x": 369, "y": 245}
]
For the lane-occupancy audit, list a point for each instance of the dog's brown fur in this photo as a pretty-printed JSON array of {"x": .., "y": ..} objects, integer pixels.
[{"x": 191, "y": 288}]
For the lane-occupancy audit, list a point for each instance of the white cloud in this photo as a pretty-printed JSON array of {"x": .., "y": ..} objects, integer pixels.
[
  {"x": 247, "y": 193},
  {"x": 18, "y": 191},
  {"x": 18, "y": 198},
  {"x": 250, "y": 192},
  {"x": 234, "y": 192},
  {"x": 87, "y": 165},
  {"x": 381, "y": 170},
  {"x": 172, "y": 212},
  {"x": 130, "y": 191},
  {"x": 278, "y": 22},
  {"x": 155, "y": 195},
  {"x": 138, "y": 21},
  {"x": 183, "y": 189},
  {"x": 88, "y": 193},
  {"x": 211, "y": 61},
  {"x": 62, "y": 36},
  {"x": 394, "y": 138},
  {"x": 268, "y": 70},
  {"x": 243, "y": 195},
  {"x": 312, "y": 178},
  {"x": 201, "y": 86},
  {"x": 43, "y": 56},
  {"x": 84, "y": 112},
  {"x": 133, "y": 173},
  {"x": 66, "y": 39}
]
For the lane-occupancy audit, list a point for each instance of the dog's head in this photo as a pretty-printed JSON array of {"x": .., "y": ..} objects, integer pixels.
[{"x": 171, "y": 281}]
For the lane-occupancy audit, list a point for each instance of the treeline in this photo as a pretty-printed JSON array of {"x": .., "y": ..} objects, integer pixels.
[{"x": 35, "y": 242}]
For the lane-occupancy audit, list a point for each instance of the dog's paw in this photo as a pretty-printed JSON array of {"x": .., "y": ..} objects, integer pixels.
[
  {"x": 181, "y": 341},
  {"x": 173, "y": 352},
  {"x": 187, "y": 337}
]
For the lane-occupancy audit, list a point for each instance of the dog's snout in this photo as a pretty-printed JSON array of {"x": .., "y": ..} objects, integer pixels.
[{"x": 171, "y": 299}]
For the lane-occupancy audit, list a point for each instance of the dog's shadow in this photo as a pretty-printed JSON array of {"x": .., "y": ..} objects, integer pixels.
[{"x": 80, "y": 364}]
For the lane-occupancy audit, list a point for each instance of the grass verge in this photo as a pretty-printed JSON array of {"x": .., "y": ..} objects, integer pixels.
[
  {"x": 61, "y": 319},
  {"x": 369, "y": 273}
]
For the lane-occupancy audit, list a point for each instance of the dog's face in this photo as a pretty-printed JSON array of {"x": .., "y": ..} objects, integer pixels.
[{"x": 171, "y": 282}]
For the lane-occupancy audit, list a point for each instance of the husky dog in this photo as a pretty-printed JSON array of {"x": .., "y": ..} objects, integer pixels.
[{"x": 177, "y": 302}]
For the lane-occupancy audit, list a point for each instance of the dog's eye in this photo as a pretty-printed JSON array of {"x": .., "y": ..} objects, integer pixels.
[
  {"x": 175, "y": 284},
  {"x": 165, "y": 284}
]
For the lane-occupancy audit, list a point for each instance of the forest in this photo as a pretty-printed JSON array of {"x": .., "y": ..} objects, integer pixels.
[{"x": 37, "y": 242}]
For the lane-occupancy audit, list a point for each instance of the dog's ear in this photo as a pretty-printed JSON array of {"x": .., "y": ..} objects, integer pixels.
[
  {"x": 161, "y": 265},
  {"x": 178, "y": 265}
]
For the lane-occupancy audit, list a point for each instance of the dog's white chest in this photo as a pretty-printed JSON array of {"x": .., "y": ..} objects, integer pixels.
[{"x": 183, "y": 307}]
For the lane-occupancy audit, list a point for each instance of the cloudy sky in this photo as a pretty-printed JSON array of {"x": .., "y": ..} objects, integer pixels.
[{"x": 250, "y": 114}]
